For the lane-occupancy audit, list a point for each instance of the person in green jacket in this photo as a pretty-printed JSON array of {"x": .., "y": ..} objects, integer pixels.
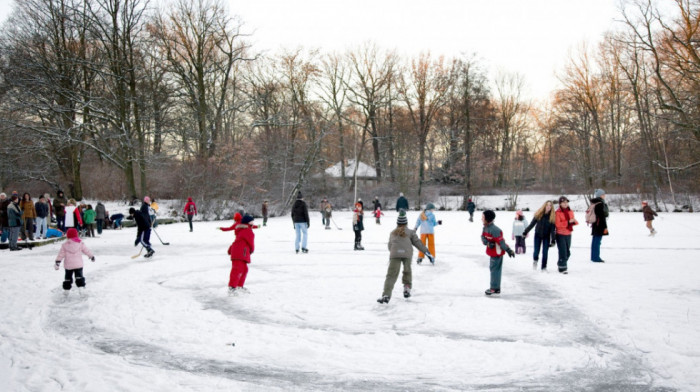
[
  {"x": 401, "y": 243},
  {"x": 89, "y": 220}
]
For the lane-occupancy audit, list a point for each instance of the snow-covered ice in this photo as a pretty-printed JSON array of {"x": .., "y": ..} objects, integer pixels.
[{"x": 311, "y": 321}]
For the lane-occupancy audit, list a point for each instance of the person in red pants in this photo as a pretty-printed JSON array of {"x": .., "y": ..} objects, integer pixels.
[{"x": 240, "y": 250}]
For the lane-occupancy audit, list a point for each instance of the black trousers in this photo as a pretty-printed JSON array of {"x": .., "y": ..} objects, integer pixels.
[{"x": 79, "y": 279}]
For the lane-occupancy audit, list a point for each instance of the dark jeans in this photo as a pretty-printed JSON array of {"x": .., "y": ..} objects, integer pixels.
[
  {"x": 564, "y": 246},
  {"x": 189, "y": 219},
  {"x": 520, "y": 244},
  {"x": 595, "y": 247},
  {"x": 100, "y": 222},
  {"x": 358, "y": 236},
  {"x": 61, "y": 222},
  {"x": 544, "y": 244},
  {"x": 79, "y": 279},
  {"x": 14, "y": 235},
  {"x": 28, "y": 229}
]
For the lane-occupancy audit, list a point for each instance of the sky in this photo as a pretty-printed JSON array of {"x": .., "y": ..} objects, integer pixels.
[{"x": 532, "y": 37}]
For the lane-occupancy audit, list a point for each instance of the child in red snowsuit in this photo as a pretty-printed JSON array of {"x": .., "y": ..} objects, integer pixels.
[
  {"x": 377, "y": 214},
  {"x": 240, "y": 250}
]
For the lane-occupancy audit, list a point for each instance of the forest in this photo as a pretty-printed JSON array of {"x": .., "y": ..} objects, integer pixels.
[{"x": 115, "y": 99}]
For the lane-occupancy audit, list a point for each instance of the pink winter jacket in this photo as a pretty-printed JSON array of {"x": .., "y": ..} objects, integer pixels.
[{"x": 72, "y": 252}]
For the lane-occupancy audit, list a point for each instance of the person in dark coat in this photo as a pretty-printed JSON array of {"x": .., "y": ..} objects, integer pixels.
[
  {"x": 358, "y": 225},
  {"x": 265, "y": 212},
  {"x": 300, "y": 218},
  {"x": 42, "y": 214},
  {"x": 599, "y": 228},
  {"x": 14, "y": 221},
  {"x": 4, "y": 227},
  {"x": 100, "y": 215},
  {"x": 143, "y": 233},
  {"x": 377, "y": 203},
  {"x": 401, "y": 203},
  {"x": 471, "y": 207},
  {"x": 649, "y": 215},
  {"x": 59, "y": 209},
  {"x": 544, "y": 223}
]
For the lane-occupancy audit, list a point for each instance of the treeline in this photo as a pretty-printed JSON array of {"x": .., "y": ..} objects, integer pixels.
[{"x": 131, "y": 99}]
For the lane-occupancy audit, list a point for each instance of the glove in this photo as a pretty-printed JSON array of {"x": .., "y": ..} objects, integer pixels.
[
  {"x": 491, "y": 245},
  {"x": 57, "y": 265},
  {"x": 92, "y": 259},
  {"x": 439, "y": 222},
  {"x": 511, "y": 253}
]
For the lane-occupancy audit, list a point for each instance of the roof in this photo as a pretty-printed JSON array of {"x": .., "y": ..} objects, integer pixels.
[{"x": 363, "y": 170}]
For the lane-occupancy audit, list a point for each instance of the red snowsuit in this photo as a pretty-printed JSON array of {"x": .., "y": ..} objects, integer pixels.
[{"x": 240, "y": 250}]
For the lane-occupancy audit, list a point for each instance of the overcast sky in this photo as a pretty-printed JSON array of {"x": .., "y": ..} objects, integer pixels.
[{"x": 531, "y": 37}]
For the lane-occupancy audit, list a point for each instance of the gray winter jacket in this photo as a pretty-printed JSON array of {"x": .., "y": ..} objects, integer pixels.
[
  {"x": 402, "y": 247},
  {"x": 100, "y": 211}
]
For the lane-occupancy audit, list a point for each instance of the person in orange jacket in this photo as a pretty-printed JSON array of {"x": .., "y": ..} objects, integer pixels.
[{"x": 565, "y": 223}]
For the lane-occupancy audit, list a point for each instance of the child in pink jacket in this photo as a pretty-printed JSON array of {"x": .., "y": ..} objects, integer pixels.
[{"x": 72, "y": 252}]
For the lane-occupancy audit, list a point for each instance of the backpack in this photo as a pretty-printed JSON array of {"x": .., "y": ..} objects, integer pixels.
[{"x": 591, "y": 218}]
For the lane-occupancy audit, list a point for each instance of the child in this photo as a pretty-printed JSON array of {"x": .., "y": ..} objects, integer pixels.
[
  {"x": 90, "y": 215},
  {"x": 649, "y": 215},
  {"x": 401, "y": 243},
  {"x": 519, "y": 226},
  {"x": 564, "y": 222},
  {"x": 496, "y": 247},
  {"x": 328, "y": 214},
  {"x": 143, "y": 232},
  {"x": 426, "y": 221},
  {"x": 357, "y": 225},
  {"x": 72, "y": 252},
  {"x": 377, "y": 214},
  {"x": 240, "y": 250}
]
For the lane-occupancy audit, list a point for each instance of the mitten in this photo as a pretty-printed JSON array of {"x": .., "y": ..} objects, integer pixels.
[
  {"x": 511, "y": 253},
  {"x": 430, "y": 257},
  {"x": 92, "y": 259},
  {"x": 57, "y": 265}
]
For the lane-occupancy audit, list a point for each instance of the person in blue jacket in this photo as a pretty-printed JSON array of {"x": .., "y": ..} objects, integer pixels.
[{"x": 427, "y": 222}]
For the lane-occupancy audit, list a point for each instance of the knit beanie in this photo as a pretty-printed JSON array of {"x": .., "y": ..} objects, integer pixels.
[
  {"x": 299, "y": 197},
  {"x": 402, "y": 220},
  {"x": 237, "y": 217},
  {"x": 72, "y": 235},
  {"x": 489, "y": 215},
  {"x": 247, "y": 219},
  {"x": 146, "y": 199},
  {"x": 598, "y": 193},
  {"x": 430, "y": 206}
]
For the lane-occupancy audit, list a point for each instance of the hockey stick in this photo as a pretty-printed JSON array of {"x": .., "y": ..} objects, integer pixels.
[
  {"x": 336, "y": 225},
  {"x": 161, "y": 241},
  {"x": 139, "y": 254}
]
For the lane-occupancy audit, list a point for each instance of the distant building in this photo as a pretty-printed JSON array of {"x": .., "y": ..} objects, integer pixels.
[{"x": 366, "y": 174}]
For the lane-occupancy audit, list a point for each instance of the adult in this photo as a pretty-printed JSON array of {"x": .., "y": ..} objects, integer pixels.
[
  {"x": 153, "y": 212},
  {"x": 649, "y": 215},
  {"x": 599, "y": 228},
  {"x": 324, "y": 203},
  {"x": 471, "y": 207},
  {"x": 427, "y": 222},
  {"x": 72, "y": 217},
  {"x": 42, "y": 214},
  {"x": 59, "y": 209},
  {"x": 14, "y": 221},
  {"x": 29, "y": 214},
  {"x": 4, "y": 227},
  {"x": 190, "y": 211},
  {"x": 265, "y": 212},
  {"x": 117, "y": 220},
  {"x": 544, "y": 223},
  {"x": 377, "y": 203},
  {"x": 401, "y": 203},
  {"x": 300, "y": 218},
  {"x": 100, "y": 215},
  {"x": 328, "y": 214},
  {"x": 143, "y": 230},
  {"x": 146, "y": 210},
  {"x": 565, "y": 222}
]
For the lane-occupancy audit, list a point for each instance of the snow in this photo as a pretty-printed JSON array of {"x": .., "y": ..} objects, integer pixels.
[
  {"x": 311, "y": 321},
  {"x": 363, "y": 169}
]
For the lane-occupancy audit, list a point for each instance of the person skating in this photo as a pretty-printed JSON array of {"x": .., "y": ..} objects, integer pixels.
[
  {"x": 599, "y": 227},
  {"x": 426, "y": 222},
  {"x": 72, "y": 252},
  {"x": 649, "y": 215},
  {"x": 471, "y": 207},
  {"x": 328, "y": 214},
  {"x": 401, "y": 203},
  {"x": 322, "y": 208},
  {"x": 358, "y": 225},
  {"x": 190, "y": 211},
  {"x": 401, "y": 243},
  {"x": 300, "y": 219},
  {"x": 376, "y": 203},
  {"x": 377, "y": 215},
  {"x": 565, "y": 222},
  {"x": 240, "y": 251},
  {"x": 100, "y": 216},
  {"x": 519, "y": 225},
  {"x": 90, "y": 215},
  {"x": 496, "y": 247},
  {"x": 544, "y": 222},
  {"x": 143, "y": 233}
]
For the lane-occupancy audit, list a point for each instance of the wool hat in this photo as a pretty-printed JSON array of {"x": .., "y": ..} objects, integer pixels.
[
  {"x": 430, "y": 206},
  {"x": 401, "y": 194},
  {"x": 132, "y": 211},
  {"x": 563, "y": 198},
  {"x": 299, "y": 196},
  {"x": 402, "y": 220},
  {"x": 147, "y": 199},
  {"x": 3, "y": 194},
  {"x": 644, "y": 203},
  {"x": 247, "y": 219},
  {"x": 598, "y": 193},
  {"x": 72, "y": 234},
  {"x": 519, "y": 213},
  {"x": 237, "y": 217},
  {"x": 489, "y": 215}
]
